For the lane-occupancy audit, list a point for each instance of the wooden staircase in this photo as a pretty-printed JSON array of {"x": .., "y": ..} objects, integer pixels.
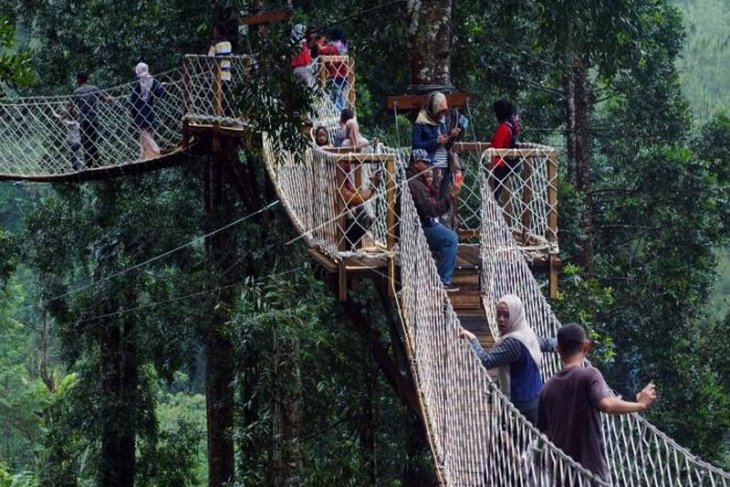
[{"x": 467, "y": 301}]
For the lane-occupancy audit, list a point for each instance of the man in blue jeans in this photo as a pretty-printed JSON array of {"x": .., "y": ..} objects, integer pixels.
[{"x": 441, "y": 240}]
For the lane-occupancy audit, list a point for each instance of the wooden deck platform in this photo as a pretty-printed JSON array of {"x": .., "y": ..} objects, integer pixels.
[
  {"x": 174, "y": 157},
  {"x": 467, "y": 302}
]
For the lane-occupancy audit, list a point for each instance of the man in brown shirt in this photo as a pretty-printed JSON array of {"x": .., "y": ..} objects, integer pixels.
[{"x": 571, "y": 402}]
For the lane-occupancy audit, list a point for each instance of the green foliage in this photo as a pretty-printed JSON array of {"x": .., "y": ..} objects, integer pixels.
[
  {"x": 660, "y": 209},
  {"x": 15, "y": 69},
  {"x": 583, "y": 301},
  {"x": 172, "y": 455}
]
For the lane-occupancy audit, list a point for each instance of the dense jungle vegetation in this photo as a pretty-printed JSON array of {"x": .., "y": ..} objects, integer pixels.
[{"x": 102, "y": 372}]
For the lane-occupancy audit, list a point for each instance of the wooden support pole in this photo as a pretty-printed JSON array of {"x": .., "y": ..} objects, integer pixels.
[
  {"x": 552, "y": 230},
  {"x": 526, "y": 199},
  {"x": 552, "y": 195},
  {"x": 342, "y": 281},
  {"x": 554, "y": 274},
  {"x": 351, "y": 95},
  {"x": 390, "y": 220}
]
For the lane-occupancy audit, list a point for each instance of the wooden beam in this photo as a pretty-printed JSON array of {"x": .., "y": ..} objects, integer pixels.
[
  {"x": 281, "y": 15},
  {"x": 412, "y": 102}
]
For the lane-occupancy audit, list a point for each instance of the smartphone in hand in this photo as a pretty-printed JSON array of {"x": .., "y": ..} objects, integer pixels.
[{"x": 463, "y": 122}]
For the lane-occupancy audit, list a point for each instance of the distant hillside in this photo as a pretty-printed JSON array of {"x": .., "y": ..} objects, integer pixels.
[{"x": 705, "y": 63}]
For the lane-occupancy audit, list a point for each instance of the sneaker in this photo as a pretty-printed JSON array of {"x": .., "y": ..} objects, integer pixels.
[{"x": 450, "y": 288}]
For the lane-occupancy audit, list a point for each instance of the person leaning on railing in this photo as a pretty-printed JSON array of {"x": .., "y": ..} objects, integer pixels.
[
  {"x": 441, "y": 240},
  {"x": 357, "y": 220},
  {"x": 432, "y": 134},
  {"x": 516, "y": 356},
  {"x": 338, "y": 71},
  {"x": 301, "y": 62}
]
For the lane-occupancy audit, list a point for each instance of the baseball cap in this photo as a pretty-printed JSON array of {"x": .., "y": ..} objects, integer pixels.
[{"x": 420, "y": 155}]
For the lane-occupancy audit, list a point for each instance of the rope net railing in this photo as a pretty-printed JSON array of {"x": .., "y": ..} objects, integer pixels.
[
  {"x": 62, "y": 135},
  {"x": 637, "y": 453},
  {"x": 524, "y": 180},
  {"x": 341, "y": 203},
  {"x": 334, "y": 90},
  {"x": 213, "y": 87},
  {"x": 477, "y": 436}
]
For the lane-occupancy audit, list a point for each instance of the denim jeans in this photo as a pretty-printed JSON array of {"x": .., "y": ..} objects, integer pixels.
[
  {"x": 339, "y": 90},
  {"x": 444, "y": 242}
]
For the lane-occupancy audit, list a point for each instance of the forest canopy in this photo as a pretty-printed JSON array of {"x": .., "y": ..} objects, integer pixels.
[{"x": 107, "y": 376}]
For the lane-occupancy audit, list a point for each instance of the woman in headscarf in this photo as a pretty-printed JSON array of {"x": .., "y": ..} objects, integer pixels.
[
  {"x": 142, "y": 99},
  {"x": 516, "y": 356},
  {"x": 432, "y": 134}
]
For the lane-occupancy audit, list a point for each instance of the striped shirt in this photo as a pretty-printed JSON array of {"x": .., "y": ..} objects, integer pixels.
[
  {"x": 508, "y": 351},
  {"x": 222, "y": 48}
]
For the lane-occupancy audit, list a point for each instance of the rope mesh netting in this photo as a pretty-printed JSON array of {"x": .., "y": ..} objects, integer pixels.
[
  {"x": 35, "y": 139},
  {"x": 477, "y": 437},
  {"x": 638, "y": 454}
]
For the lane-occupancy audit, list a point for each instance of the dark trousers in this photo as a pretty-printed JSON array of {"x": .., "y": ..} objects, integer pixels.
[
  {"x": 501, "y": 174},
  {"x": 356, "y": 227},
  {"x": 528, "y": 408},
  {"x": 89, "y": 138}
]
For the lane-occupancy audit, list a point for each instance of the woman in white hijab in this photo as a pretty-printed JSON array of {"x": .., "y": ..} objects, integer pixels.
[
  {"x": 517, "y": 356},
  {"x": 145, "y": 91}
]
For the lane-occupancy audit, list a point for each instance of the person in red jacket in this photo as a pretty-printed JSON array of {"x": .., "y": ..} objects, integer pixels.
[
  {"x": 303, "y": 59},
  {"x": 505, "y": 137}
]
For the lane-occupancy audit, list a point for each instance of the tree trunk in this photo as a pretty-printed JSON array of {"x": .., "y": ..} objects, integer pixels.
[
  {"x": 570, "y": 132},
  {"x": 368, "y": 423},
  {"x": 219, "y": 359},
  {"x": 429, "y": 43},
  {"x": 286, "y": 455},
  {"x": 47, "y": 375},
  {"x": 119, "y": 397},
  {"x": 582, "y": 155},
  {"x": 117, "y": 362}
]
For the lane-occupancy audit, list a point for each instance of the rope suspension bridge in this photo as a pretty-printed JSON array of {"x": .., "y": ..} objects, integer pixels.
[{"x": 475, "y": 434}]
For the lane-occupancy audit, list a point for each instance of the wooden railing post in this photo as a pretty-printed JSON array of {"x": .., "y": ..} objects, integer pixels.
[
  {"x": 322, "y": 74},
  {"x": 552, "y": 236},
  {"x": 217, "y": 89},
  {"x": 390, "y": 220},
  {"x": 351, "y": 95},
  {"x": 186, "y": 86},
  {"x": 340, "y": 205},
  {"x": 552, "y": 195},
  {"x": 526, "y": 199}
]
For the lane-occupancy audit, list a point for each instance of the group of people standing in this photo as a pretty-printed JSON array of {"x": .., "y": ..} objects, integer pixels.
[
  {"x": 81, "y": 117},
  {"x": 567, "y": 408},
  {"x": 310, "y": 45}
]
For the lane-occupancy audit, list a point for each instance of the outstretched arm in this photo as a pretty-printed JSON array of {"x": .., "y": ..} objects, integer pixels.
[
  {"x": 503, "y": 353},
  {"x": 547, "y": 344},
  {"x": 615, "y": 405}
]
